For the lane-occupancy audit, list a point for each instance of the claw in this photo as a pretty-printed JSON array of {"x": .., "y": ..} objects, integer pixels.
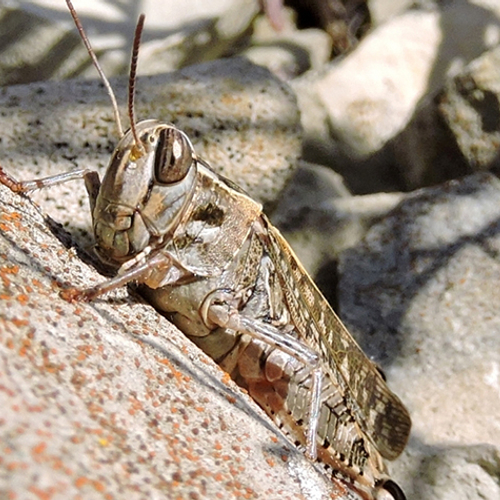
[
  {"x": 73, "y": 295},
  {"x": 10, "y": 182}
]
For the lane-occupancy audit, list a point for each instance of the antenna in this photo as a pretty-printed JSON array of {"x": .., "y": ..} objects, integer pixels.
[
  {"x": 92, "y": 55},
  {"x": 132, "y": 80}
]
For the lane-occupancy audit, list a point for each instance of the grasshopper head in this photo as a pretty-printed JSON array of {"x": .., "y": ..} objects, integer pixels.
[
  {"x": 149, "y": 179},
  {"x": 144, "y": 191}
]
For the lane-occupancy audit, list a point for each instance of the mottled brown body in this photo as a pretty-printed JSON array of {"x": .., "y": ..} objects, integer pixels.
[{"x": 223, "y": 244}]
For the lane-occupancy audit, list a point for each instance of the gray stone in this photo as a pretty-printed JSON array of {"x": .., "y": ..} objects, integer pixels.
[
  {"x": 453, "y": 472},
  {"x": 470, "y": 105},
  {"x": 457, "y": 132},
  {"x": 39, "y": 40},
  {"x": 420, "y": 294},
  {"x": 383, "y": 10},
  {"x": 370, "y": 95},
  {"x": 33, "y": 48},
  {"x": 320, "y": 218},
  {"x": 288, "y": 52},
  {"x": 426, "y": 152},
  {"x": 354, "y": 111},
  {"x": 205, "y": 40},
  {"x": 241, "y": 119}
]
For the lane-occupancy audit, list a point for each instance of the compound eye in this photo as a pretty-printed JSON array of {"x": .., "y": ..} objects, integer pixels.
[{"x": 173, "y": 156}]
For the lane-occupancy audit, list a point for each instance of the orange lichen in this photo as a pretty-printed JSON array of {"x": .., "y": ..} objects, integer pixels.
[
  {"x": 12, "y": 466},
  {"x": 81, "y": 356},
  {"x": 38, "y": 284},
  {"x": 22, "y": 298},
  {"x": 81, "y": 481},
  {"x": 46, "y": 494},
  {"x": 35, "y": 408},
  {"x": 99, "y": 486},
  {"x": 20, "y": 322},
  {"x": 39, "y": 448},
  {"x": 11, "y": 217}
]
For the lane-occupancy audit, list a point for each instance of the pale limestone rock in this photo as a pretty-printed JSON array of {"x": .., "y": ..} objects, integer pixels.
[
  {"x": 420, "y": 294},
  {"x": 240, "y": 118}
]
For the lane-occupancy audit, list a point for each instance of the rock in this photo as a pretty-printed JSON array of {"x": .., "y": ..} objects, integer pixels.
[
  {"x": 383, "y": 10},
  {"x": 426, "y": 153},
  {"x": 420, "y": 294},
  {"x": 288, "y": 52},
  {"x": 25, "y": 58},
  {"x": 368, "y": 96},
  {"x": 241, "y": 119},
  {"x": 344, "y": 21},
  {"x": 173, "y": 37},
  {"x": 457, "y": 132},
  {"x": 353, "y": 111},
  {"x": 94, "y": 406},
  {"x": 193, "y": 42},
  {"x": 470, "y": 105},
  {"x": 109, "y": 400},
  {"x": 320, "y": 218},
  {"x": 458, "y": 472}
]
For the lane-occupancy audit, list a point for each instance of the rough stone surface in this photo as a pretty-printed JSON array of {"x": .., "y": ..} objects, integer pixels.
[
  {"x": 355, "y": 110},
  {"x": 320, "y": 218},
  {"x": 39, "y": 39},
  {"x": 421, "y": 294},
  {"x": 355, "y": 94},
  {"x": 240, "y": 118},
  {"x": 383, "y": 10},
  {"x": 173, "y": 38},
  {"x": 210, "y": 37},
  {"x": 288, "y": 52},
  {"x": 457, "y": 132},
  {"x": 22, "y": 57},
  {"x": 470, "y": 104},
  {"x": 371, "y": 115},
  {"x": 108, "y": 400}
]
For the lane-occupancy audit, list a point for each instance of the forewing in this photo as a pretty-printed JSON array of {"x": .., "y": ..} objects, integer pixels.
[{"x": 380, "y": 413}]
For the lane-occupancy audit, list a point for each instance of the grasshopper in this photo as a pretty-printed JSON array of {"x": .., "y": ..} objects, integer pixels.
[{"x": 206, "y": 256}]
